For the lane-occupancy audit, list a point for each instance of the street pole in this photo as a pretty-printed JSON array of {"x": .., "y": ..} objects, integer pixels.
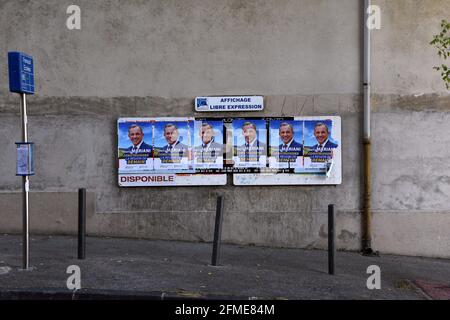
[
  {"x": 331, "y": 239},
  {"x": 25, "y": 189},
  {"x": 217, "y": 232},
  {"x": 21, "y": 80},
  {"x": 82, "y": 223},
  {"x": 367, "y": 151}
]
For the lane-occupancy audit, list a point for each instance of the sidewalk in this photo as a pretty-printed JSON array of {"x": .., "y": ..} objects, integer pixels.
[{"x": 167, "y": 269}]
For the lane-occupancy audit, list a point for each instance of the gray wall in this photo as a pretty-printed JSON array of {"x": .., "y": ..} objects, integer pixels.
[{"x": 151, "y": 58}]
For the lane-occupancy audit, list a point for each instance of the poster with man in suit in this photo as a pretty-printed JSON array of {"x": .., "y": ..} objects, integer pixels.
[
  {"x": 320, "y": 145},
  {"x": 208, "y": 144},
  {"x": 173, "y": 145},
  {"x": 286, "y": 148},
  {"x": 250, "y": 143},
  {"x": 134, "y": 152}
]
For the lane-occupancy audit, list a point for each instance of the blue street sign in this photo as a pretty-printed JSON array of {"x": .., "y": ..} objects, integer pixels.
[
  {"x": 21, "y": 73},
  {"x": 25, "y": 159}
]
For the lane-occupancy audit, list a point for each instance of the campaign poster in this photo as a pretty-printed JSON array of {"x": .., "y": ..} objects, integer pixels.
[
  {"x": 208, "y": 145},
  {"x": 172, "y": 140},
  {"x": 249, "y": 143},
  {"x": 135, "y": 150},
  {"x": 286, "y": 144},
  {"x": 320, "y": 146}
]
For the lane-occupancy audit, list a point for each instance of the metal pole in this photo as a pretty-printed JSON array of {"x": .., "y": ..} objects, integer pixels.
[
  {"x": 81, "y": 223},
  {"x": 367, "y": 232},
  {"x": 331, "y": 239},
  {"x": 367, "y": 73},
  {"x": 367, "y": 219},
  {"x": 25, "y": 189},
  {"x": 217, "y": 232}
]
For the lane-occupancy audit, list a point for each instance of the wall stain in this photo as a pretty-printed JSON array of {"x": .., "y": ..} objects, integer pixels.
[{"x": 346, "y": 235}]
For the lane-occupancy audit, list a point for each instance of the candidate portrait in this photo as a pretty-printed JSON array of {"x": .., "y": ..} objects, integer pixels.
[
  {"x": 289, "y": 149},
  {"x": 174, "y": 150},
  {"x": 208, "y": 148},
  {"x": 138, "y": 146},
  {"x": 321, "y": 133},
  {"x": 253, "y": 148}
]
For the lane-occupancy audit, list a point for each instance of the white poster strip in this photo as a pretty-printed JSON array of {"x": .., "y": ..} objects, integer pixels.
[
  {"x": 231, "y": 103},
  {"x": 171, "y": 180}
]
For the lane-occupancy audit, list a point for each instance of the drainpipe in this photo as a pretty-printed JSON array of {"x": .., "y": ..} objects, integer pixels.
[{"x": 367, "y": 218}]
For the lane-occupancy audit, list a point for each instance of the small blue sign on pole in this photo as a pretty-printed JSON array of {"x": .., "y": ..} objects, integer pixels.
[
  {"x": 21, "y": 81},
  {"x": 21, "y": 72},
  {"x": 25, "y": 159}
]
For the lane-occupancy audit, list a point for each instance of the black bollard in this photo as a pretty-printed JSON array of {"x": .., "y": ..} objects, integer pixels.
[
  {"x": 217, "y": 232},
  {"x": 331, "y": 239},
  {"x": 82, "y": 223}
]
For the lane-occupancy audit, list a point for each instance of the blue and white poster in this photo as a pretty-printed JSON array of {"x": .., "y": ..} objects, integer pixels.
[
  {"x": 208, "y": 144},
  {"x": 320, "y": 146},
  {"x": 286, "y": 144},
  {"x": 135, "y": 152},
  {"x": 172, "y": 140},
  {"x": 249, "y": 143},
  {"x": 229, "y": 103}
]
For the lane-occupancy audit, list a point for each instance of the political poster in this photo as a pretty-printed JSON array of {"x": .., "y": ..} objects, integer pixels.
[
  {"x": 172, "y": 140},
  {"x": 320, "y": 146},
  {"x": 249, "y": 143},
  {"x": 208, "y": 145},
  {"x": 135, "y": 150},
  {"x": 286, "y": 144}
]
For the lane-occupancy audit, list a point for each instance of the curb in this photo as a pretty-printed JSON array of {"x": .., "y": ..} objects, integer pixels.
[{"x": 100, "y": 294}]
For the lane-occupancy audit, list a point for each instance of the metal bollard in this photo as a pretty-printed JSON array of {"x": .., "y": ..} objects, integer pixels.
[
  {"x": 217, "y": 232},
  {"x": 82, "y": 223},
  {"x": 331, "y": 240}
]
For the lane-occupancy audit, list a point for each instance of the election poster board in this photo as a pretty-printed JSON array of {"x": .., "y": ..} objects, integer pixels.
[
  {"x": 159, "y": 152},
  {"x": 200, "y": 151},
  {"x": 318, "y": 163}
]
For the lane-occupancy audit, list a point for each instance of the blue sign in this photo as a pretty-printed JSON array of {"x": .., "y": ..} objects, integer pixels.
[
  {"x": 25, "y": 158},
  {"x": 21, "y": 73}
]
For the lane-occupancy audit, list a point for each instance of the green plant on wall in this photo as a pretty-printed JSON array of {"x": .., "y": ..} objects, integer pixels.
[{"x": 441, "y": 42}]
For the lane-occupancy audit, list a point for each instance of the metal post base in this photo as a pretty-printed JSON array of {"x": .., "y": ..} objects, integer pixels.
[{"x": 25, "y": 270}]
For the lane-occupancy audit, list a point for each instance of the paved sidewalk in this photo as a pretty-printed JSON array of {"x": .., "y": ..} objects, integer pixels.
[{"x": 162, "y": 269}]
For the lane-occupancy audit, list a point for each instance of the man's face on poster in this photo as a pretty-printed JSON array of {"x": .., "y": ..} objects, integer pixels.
[
  {"x": 286, "y": 134},
  {"x": 206, "y": 133},
  {"x": 136, "y": 135},
  {"x": 321, "y": 134},
  {"x": 171, "y": 134},
  {"x": 249, "y": 133}
]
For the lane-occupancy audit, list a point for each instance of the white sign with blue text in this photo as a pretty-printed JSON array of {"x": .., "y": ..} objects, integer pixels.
[{"x": 229, "y": 103}]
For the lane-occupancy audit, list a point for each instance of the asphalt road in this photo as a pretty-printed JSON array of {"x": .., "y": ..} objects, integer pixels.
[{"x": 151, "y": 269}]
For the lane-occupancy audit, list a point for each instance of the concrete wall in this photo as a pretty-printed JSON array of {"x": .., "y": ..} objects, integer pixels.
[{"x": 151, "y": 58}]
